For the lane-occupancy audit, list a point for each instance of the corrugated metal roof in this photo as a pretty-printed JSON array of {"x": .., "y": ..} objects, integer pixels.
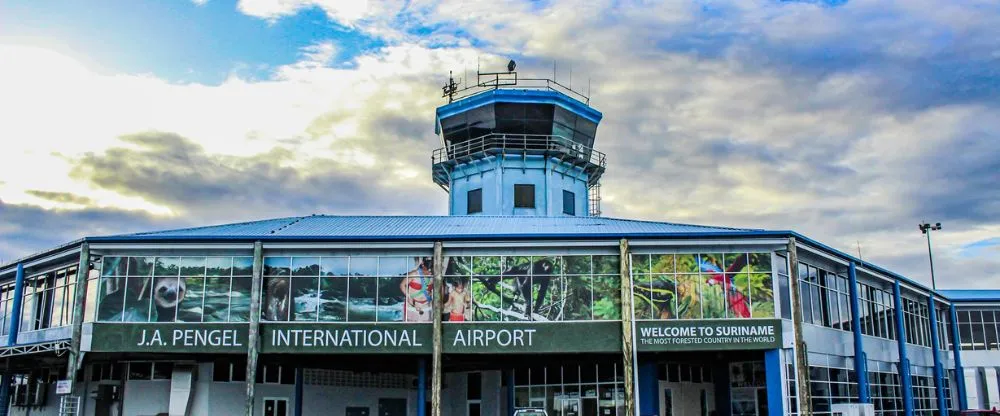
[
  {"x": 971, "y": 295},
  {"x": 325, "y": 226}
]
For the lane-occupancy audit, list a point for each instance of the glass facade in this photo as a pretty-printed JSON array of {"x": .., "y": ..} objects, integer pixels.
[
  {"x": 592, "y": 388},
  {"x": 877, "y": 311},
  {"x": 924, "y": 396},
  {"x": 518, "y": 119},
  {"x": 917, "y": 322},
  {"x": 977, "y": 329},
  {"x": 825, "y": 297},
  {"x": 359, "y": 289},
  {"x": 6, "y": 307},
  {"x": 832, "y": 380},
  {"x": 884, "y": 387},
  {"x": 47, "y": 300},
  {"x": 702, "y": 286},
  {"x": 533, "y": 288}
]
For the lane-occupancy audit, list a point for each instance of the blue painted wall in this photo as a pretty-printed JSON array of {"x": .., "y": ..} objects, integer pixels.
[{"x": 497, "y": 177}]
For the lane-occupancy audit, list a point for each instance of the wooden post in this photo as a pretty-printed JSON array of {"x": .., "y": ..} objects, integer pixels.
[
  {"x": 801, "y": 358},
  {"x": 253, "y": 343},
  {"x": 436, "y": 309},
  {"x": 628, "y": 351},
  {"x": 79, "y": 301}
]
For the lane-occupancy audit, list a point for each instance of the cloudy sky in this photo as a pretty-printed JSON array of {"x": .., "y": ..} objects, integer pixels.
[{"x": 850, "y": 121}]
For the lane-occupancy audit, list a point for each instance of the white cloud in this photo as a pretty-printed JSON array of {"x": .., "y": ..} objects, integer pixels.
[
  {"x": 782, "y": 116},
  {"x": 346, "y": 12}
]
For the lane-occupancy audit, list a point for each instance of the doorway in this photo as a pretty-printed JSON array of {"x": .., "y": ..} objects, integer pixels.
[
  {"x": 568, "y": 407},
  {"x": 686, "y": 398},
  {"x": 275, "y": 407}
]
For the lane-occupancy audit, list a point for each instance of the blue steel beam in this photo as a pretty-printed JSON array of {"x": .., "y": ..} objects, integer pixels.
[
  {"x": 939, "y": 382},
  {"x": 15, "y": 320},
  {"x": 422, "y": 387},
  {"x": 649, "y": 397},
  {"x": 906, "y": 384},
  {"x": 772, "y": 367},
  {"x": 298, "y": 391},
  {"x": 860, "y": 358},
  {"x": 963, "y": 401}
]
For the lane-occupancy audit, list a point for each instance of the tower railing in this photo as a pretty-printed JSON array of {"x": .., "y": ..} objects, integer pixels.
[{"x": 590, "y": 161}]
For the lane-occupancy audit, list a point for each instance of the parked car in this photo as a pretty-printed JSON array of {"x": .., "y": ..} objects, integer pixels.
[{"x": 530, "y": 412}]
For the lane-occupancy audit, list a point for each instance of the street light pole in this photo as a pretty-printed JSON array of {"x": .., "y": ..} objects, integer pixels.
[{"x": 926, "y": 229}]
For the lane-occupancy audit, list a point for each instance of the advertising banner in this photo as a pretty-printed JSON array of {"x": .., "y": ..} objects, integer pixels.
[{"x": 707, "y": 335}]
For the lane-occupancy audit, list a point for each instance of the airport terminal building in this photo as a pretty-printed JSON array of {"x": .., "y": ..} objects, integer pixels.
[{"x": 522, "y": 297}]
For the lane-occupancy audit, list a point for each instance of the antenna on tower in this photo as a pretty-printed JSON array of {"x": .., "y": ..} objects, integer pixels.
[
  {"x": 450, "y": 88},
  {"x": 859, "y": 253}
]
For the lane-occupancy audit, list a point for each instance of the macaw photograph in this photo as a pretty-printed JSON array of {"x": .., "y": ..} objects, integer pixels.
[{"x": 702, "y": 286}]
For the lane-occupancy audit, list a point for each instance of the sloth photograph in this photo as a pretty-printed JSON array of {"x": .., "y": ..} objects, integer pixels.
[{"x": 175, "y": 289}]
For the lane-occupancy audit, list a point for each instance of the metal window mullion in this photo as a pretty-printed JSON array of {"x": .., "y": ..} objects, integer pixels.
[
  {"x": 347, "y": 294},
  {"x": 204, "y": 288}
]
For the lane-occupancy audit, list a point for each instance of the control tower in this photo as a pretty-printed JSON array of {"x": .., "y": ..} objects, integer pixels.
[{"x": 518, "y": 147}]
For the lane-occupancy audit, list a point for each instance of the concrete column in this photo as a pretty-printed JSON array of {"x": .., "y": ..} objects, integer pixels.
[
  {"x": 963, "y": 401},
  {"x": 801, "y": 358},
  {"x": 75, "y": 356},
  {"x": 648, "y": 388},
  {"x": 253, "y": 343},
  {"x": 772, "y": 367},
  {"x": 628, "y": 327},
  {"x": 860, "y": 358},
  {"x": 438, "y": 294},
  {"x": 904, "y": 362},
  {"x": 15, "y": 320},
  {"x": 939, "y": 381}
]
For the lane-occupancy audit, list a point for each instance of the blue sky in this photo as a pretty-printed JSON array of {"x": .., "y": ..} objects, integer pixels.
[
  {"x": 850, "y": 121},
  {"x": 176, "y": 40}
]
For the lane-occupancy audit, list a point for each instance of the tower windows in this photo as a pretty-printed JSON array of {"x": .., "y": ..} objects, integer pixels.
[
  {"x": 475, "y": 201},
  {"x": 524, "y": 196},
  {"x": 569, "y": 203}
]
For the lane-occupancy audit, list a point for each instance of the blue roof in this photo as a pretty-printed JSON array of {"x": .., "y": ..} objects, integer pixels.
[
  {"x": 971, "y": 295},
  {"x": 325, "y": 227},
  {"x": 519, "y": 96}
]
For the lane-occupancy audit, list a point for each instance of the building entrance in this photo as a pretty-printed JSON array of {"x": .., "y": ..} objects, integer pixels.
[
  {"x": 568, "y": 407},
  {"x": 686, "y": 398}
]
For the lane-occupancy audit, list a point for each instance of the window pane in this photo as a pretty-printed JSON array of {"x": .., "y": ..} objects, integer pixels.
[
  {"x": 162, "y": 370},
  {"x": 305, "y": 295},
  {"x": 524, "y": 196},
  {"x": 275, "y": 300},
  {"x": 217, "y": 296},
  {"x": 140, "y": 371},
  {"x": 569, "y": 203},
  {"x": 474, "y": 204},
  {"x": 192, "y": 293},
  {"x": 239, "y": 303}
]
